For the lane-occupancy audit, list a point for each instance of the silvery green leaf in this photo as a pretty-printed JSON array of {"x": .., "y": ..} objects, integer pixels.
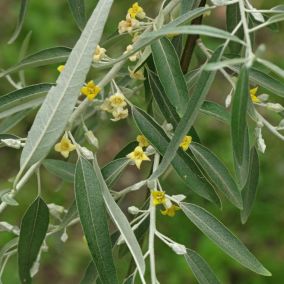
[
  {"x": 222, "y": 237},
  {"x": 169, "y": 71},
  {"x": 217, "y": 173},
  {"x": 33, "y": 231},
  {"x": 23, "y": 11},
  {"x": 52, "y": 117},
  {"x": 122, "y": 224},
  {"x": 9, "y": 122},
  {"x": 40, "y": 58},
  {"x": 77, "y": 8},
  {"x": 196, "y": 100},
  {"x": 93, "y": 217},
  {"x": 274, "y": 68},
  {"x": 22, "y": 99},
  {"x": 200, "y": 268},
  {"x": 256, "y": 14},
  {"x": 250, "y": 189}
]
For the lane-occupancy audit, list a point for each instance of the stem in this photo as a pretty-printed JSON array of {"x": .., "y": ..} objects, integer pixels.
[
  {"x": 249, "y": 53},
  {"x": 190, "y": 43},
  {"x": 152, "y": 229}
]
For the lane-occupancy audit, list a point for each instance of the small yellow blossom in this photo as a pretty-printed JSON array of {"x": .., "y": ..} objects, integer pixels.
[
  {"x": 170, "y": 211},
  {"x": 134, "y": 56},
  {"x": 138, "y": 156},
  {"x": 136, "y": 11},
  {"x": 99, "y": 53},
  {"x": 64, "y": 146},
  {"x": 119, "y": 113},
  {"x": 60, "y": 68},
  {"x": 128, "y": 25},
  {"x": 142, "y": 140},
  {"x": 207, "y": 13},
  {"x": 91, "y": 90},
  {"x": 159, "y": 197},
  {"x": 138, "y": 75},
  {"x": 185, "y": 142},
  {"x": 253, "y": 96},
  {"x": 117, "y": 100}
]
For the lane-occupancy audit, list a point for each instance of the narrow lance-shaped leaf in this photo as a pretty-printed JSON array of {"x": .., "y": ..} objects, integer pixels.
[
  {"x": 264, "y": 80},
  {"x": 239, "y": 129},
  {"x": 20, "y": 22},
  {"x": 22, "y": 96},
  {"x": 66, "y": 170},
  {"x": 11, "y": 121},
  {"x": 33, "y": 230},
  {"x": 61, "y": 99},
  {"x": 204, "y": 83},
  {"x": 200, "y": 268},
  {"x": 222, "y": 237},
  {"x": 218, "y": 173},
  {"x": 122, "y": 224},
  {"x": 77, "y": 8},
  {"x": 40, "y": 58},
  {"x": 182, "y": 163},
  {"x": 93, "y": 217},
  {"x": 166, "y": 108},
  {"x": 250, "y": 189},
  {"x": 170, "y": 74},
  {"x": 233, "y": 18}
]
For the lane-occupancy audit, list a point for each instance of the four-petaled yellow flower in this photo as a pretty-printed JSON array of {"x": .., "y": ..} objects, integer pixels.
[
  {"x": 60, "y": 68},
  {"x": 117, "y": 100},
  {"x": 142, "y": 140},
  {"x": 170, "y": 211},
  {"x": 253, "y": 96},
  {"x": 91, "y": 90},
  {"x": 138, "y": 156},
  {"x": 185, "y": 142},
  {"x": 159, "y": 197},
  {"x": 136, "y": 11},
  {"x": 64, "y": 146}
]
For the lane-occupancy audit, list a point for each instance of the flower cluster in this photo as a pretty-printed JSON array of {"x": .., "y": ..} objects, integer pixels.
[
  {"x": 185, "y": 142},
  {"x": 159, "y": 197},
  {"x": 116, "y": 105},
  {"x": 131, "y": 24}
]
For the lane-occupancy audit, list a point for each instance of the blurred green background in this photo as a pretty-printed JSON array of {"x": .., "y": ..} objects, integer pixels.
[{"x": 51, "y": 24}]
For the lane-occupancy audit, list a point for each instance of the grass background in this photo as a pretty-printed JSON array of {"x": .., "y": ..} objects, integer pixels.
[{"x": 52, "y": 25}]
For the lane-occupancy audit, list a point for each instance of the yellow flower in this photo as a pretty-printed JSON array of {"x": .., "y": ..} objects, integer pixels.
[
  {"x": 253, "y": 96},
  {"x": 60, "y": 68},
  {"x": 128, "y": 26},
  {"x": 185, "y": 142},
  {"x": 138, "y": 156},
  {"x": 64, "y": 146},
  {"x": 91, "y": 90},
  {"x": 159, "y": 197},
  {"x": 136, "y": 11},
  {"x": 119, "y": 113},
  {"x": 170, "y": 211},
  {"x": 99, "y": 53},
  {"x": 117, "y": 100},
  {"x": 142, "y": 140}
]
